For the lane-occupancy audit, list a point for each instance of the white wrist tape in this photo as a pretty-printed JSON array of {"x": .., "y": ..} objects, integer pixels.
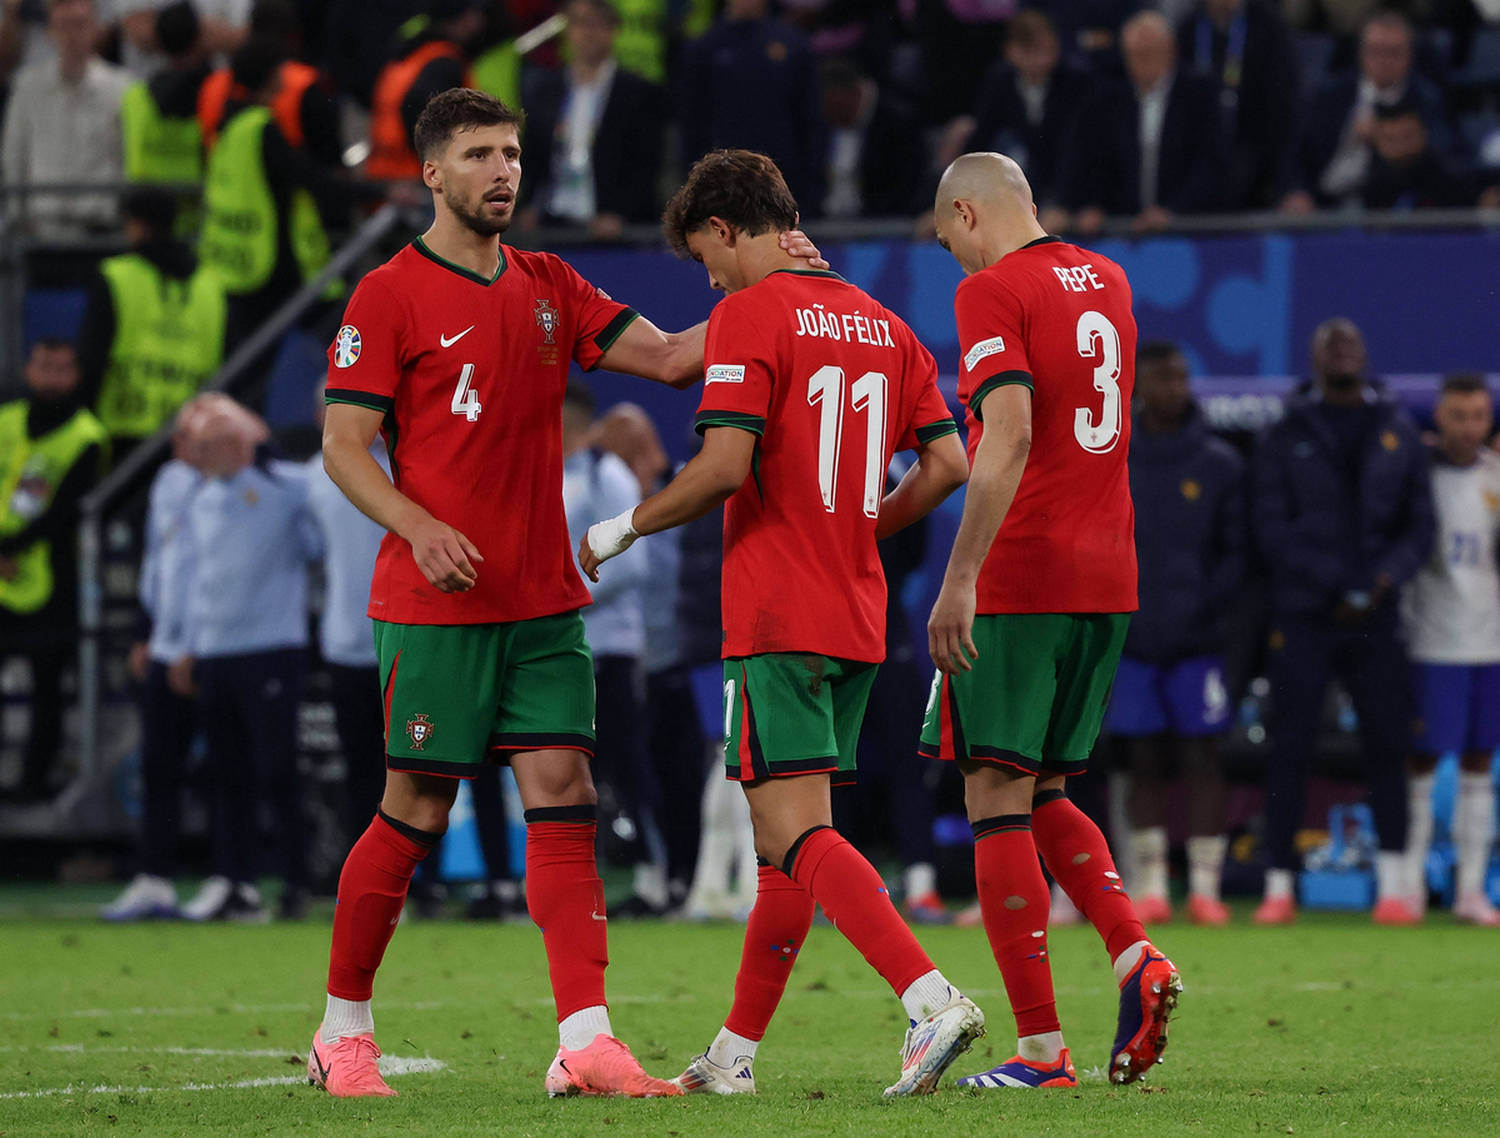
[{"x": 613, "y": 537}]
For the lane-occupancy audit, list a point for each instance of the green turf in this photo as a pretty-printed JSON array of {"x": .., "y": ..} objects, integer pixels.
[{"x": 1329, "y": 1027}]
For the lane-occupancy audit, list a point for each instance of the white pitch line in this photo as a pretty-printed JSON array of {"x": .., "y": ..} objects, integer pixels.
[
  {"x": 390, "y": 1066},
  {"x": 84, "y": 1049},
  {"x": 219, "y": 1009}
]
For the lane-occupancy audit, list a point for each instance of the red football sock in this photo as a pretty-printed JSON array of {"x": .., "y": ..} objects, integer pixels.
[
  {"x": 856, "y": 901},
  {"x": 1014, "y": 901},
  {"x": 1078, "y": 858},
  {"x": 566, "y": 900},
  {"x": 372, "y": 889},
  {"x": 774, "y": 935}
]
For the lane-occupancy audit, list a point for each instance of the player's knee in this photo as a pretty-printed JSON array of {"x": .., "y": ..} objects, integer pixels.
[
  {"x": 561, "y": 780},
  {"x": 419, "y": 800}
]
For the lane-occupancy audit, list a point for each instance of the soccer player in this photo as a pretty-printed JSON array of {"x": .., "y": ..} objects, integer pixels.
[
  {"x": 1028, "y": 625},
  {"x": 1452, "y": 618},
  {"x": 810, "y": 386},
  {"x": 1169, "y": 697},
  {"x": 457, "y": 350}
]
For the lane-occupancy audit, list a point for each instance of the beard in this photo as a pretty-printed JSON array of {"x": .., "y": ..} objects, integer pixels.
[{"x": 476, "y": 217}]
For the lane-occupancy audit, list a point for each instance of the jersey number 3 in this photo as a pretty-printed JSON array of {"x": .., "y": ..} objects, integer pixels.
[
  {"x": 825, "y": 390},
  {"x": 1097, "y": 338}
]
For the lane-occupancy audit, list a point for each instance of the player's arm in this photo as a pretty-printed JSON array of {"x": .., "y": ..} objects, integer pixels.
[
  {"x": 445, "y": 556},
  {"x": 713, "y": 475},
  {"x": 941, "y": 468},
  {"x": 999, "y": 462},
  {"x": 643, "y": 349}
]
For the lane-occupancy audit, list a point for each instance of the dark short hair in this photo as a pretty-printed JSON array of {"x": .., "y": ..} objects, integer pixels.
[
  {"x": 459, "y": 109},
  {"x": 1156, "y": 352},
  {"x": 255, "y": 64},
  {"x": 601, "y": 7},
  {"x": 275, "y": 19},
  {"x": 1464, "y": 383},
  {"x": 177, "y": 27},
  {"x": 1030, "y": 27},
  {"x": 152, "y": 206},
  {"x": 579, "y": 394},
  {"x": 741, "y": 187}
]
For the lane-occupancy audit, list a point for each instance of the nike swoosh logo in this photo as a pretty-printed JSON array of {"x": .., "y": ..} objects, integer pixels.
[
  {"x": 318, "y": 1062},
  {"x": 449, "y": 341},
  {"x": 597, "y": 917}
]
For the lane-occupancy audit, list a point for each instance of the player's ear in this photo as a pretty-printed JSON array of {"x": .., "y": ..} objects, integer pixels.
[
  {"x": 432, "y": 177},
  {"x": 722, "y": 230}
]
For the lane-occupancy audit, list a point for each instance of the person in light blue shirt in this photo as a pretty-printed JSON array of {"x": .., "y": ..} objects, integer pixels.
[
  {"x": 595, "y": 483},
  {"x": 168, "y": 716},
  {"x": 252, "y": 535}
]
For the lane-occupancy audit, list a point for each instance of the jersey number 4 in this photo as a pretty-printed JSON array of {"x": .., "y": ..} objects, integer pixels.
[
  {"x": 465, "y": 398},
  {"x": 1097, "y": 338},
  {"x": 825, "y": 390}
]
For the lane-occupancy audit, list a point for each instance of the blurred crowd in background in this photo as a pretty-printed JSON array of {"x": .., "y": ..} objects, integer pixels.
[{"x": 1114, "y": 107}]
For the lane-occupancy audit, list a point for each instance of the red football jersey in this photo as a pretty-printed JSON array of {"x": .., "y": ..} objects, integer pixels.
[
  {"x": 470, "y": 374},
  {"x": 1057, "y": 318},
  {"x": 833, "y": 383}
]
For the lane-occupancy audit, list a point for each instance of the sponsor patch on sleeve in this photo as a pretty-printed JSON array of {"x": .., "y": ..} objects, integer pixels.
[
  {"x": 983, "y": 348},
  {"x": 724, "y": 373},
  {"x": 346, "y": 346}
]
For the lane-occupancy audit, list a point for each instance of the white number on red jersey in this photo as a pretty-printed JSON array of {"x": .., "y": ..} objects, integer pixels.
[
  {"x": 825, "y": 389},
  {"x": 465, "y": 398},
  {"x": 1097, "y": 337}
]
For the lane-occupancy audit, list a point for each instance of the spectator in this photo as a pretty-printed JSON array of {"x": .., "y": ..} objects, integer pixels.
[
  {"x": 252, "y": 537},
  {"x": 225, "y": 28},
  {"x": 1090, "y": 32},
  {"x": 52, "y": 450},
  {"x": 875, "y": 152},
  {"x": 62, "y": 124},
  {"x": 750, "y": 82},
  {"x": 1028, "y": 105},
  {"x": 1334, "y": 152},
  {"x": 266, "y": 204},
  {"x": 431, "y": 55},
  {"x": 169, "y": 716},
  {"x": 1246, "y": 48},
  {"x": 594, "y": 484},
  {"x": 595, "y": 132},
  {"x": 159, "y": 116},
  {"x": 1170, "y": 699},
  {"x": 1452, "y": 620},
  {"x": 153, "y": 330},
  {"x": 23, "y": 38},
  {"x": 957, "y": 40},
  {"x": 1405, "y": 172},
  {"x": 675, "y": 744},
  {"x": 1342, "y": 510},
  {"x": 1152, "y": 149},
  {"x": 305, "y": 107}
]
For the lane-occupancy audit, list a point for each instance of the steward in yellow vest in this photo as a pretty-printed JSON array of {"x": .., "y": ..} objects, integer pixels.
[
  {"x": 159, "y": 115},
  {"x": 154, "y": 328},
  {"x": 52, "y": 450}
]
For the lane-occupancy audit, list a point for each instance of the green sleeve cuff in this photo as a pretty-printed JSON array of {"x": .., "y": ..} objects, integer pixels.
[
  {"x": 936, "y": 430},
  {"x": 742, "y": 420},
  {"x": 382, "y": 403},
  {"x": 1004, "y": 379},
  {"x": 612, "y": 332}
]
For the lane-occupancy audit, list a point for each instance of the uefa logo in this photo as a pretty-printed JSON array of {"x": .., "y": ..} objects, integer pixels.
[{"x": 346, "y": 346}]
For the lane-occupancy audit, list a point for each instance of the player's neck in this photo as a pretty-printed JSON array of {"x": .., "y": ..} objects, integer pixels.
[
  {"x": 761, "y": 256},
  {"x": 458, "y": 244},
  {"x": 1012, "y": 237}
]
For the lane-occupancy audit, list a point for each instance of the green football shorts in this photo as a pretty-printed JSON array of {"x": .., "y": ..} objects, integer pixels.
[
  {"x": 1035, "y": 697},
  {"x": 458, "y": 695},
  {"x": 791, "y": 713}
]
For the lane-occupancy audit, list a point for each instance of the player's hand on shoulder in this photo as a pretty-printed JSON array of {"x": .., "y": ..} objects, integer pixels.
[
  {"x": 799, "y": 244},
  {"x": 950, "y": 629},
  {"x": 445, "y": 556}
]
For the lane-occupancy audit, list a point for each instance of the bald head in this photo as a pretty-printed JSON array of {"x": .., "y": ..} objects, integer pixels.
[
  {"x": 1149, "y": 48},
  {"x": 984, "y": 210},
  {"x": 986, "y": 179}
]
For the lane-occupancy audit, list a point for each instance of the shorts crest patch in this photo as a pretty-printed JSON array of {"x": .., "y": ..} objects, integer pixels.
[{"x": 418, "y": 730}]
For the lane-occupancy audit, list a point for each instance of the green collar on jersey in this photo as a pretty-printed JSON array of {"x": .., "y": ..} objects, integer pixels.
[
  {"x": 807, "y": 273},
  {"x": 467, "y": 274}
]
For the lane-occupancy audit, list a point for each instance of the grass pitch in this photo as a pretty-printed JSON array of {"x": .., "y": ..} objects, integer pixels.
[{"x": 1331, "y": 1026}]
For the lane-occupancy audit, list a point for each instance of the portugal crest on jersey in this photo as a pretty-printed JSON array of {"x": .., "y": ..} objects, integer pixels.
[
  {"x": 546, "y": 319},
  {"x": 346, "y": 346},
  {"x": 418, "y": 730}
]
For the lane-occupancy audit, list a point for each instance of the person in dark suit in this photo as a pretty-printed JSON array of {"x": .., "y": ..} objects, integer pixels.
[
  {"x": 1151, "y": 149},
  {"x": 1245, "y": 47},
  {"x": 594, "y": 139},
  {"x": 1027, "y": 106},
  {"x": 1334, "y": 152},
  {"x": 751, "y": 81},
  {"x": 1406, "y": 172},
  {"x": 875, "y": 155}
]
